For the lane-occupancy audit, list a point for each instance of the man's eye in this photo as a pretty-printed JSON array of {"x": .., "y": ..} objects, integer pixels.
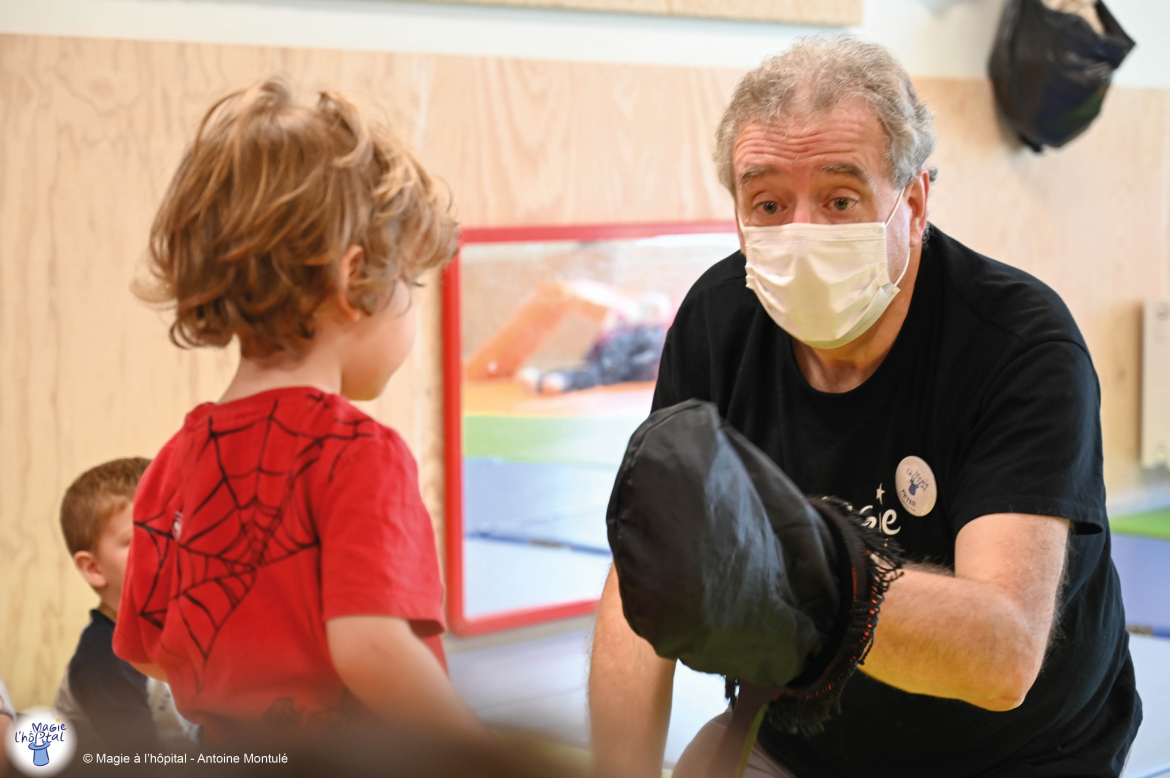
[
  {"x": 769, "y": 207},
  {"x": 842, "y": 203}
]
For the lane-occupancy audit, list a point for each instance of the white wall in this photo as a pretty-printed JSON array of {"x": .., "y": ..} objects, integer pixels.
[{"x": 931, "y": 37}]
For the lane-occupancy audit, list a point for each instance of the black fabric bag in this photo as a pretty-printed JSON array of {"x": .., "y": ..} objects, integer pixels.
[
  {"x": 724, "y": 564},
  {"x": 1050, "y": 70}
]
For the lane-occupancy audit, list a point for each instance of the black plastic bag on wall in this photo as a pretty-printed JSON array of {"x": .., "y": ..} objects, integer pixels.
[{"x": 1050, "y": 69}]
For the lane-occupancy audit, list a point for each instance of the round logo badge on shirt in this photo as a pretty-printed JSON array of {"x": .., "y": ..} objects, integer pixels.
[
  {"x": 917, "y": 489},
  {"x": 41, "y": 742}
]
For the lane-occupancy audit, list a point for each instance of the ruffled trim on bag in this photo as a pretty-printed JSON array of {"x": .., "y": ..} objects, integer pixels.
[{"x": 867, "y": 564}]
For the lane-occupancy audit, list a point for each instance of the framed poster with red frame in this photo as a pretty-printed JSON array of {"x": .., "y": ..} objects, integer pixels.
[{"x": 551, "y": 342}]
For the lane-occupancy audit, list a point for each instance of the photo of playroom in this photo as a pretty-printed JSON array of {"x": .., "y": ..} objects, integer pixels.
[
  {"x": 559, "y": 347},
  {"x": 325, "y": 326}
]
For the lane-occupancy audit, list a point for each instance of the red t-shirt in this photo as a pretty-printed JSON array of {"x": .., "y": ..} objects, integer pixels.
[{"x": 259, "y": 521}]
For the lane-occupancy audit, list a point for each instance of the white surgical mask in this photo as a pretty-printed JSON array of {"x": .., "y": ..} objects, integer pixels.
[{"x": 824, "y": 284}]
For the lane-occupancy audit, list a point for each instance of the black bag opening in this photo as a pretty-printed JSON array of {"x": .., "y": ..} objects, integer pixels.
[
  {"x": 726, "y": 566},
  {"x": 1051, "y": 69}
]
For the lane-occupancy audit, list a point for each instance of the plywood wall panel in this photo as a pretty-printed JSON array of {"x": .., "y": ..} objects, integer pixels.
[
  {"x": 91, "y": 130},
  {"x": 835, "y": 12},
  {"x": 525, "y": 142},
  {"x": 90, "y": 133},
  {"x": 1089, "y": 219}
]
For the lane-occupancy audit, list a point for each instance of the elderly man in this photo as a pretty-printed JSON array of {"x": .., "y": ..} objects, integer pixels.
[{"x": 948, "y": 397}]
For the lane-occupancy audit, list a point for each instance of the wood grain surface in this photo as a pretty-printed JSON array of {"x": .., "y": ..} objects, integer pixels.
[
  {"x": 91, "y": 131},
  {"x": 1092, "y": 220},
  {"x": 830, "y": 12}
]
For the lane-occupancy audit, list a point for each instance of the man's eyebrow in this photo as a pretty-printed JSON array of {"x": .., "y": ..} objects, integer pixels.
[
  {"x": 845, "y": 169},
  {"x": 755, "y": 171}
]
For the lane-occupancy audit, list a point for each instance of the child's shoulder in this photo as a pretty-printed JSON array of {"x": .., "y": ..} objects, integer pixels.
[
  {"x": 97, "y": 637},
  {"x": 94, "y": 657},
  {"x": 332, "y": 419},
  {"x": 277, "y": 416},
  {"x": 282, "y": 424}
]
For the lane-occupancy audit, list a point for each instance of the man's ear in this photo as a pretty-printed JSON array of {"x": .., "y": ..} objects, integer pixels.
[
  {"x": 87, "y": 565},
  {"x": 349, "y": 270},
  {"x": 917, "y": 199}
]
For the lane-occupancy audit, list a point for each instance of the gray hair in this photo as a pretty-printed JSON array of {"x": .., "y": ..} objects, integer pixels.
[{"x": 817, "y": 74}]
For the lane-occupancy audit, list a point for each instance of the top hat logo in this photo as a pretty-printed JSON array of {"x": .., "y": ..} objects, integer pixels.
[
  {"x": 40, "y": 742},
  {"x": 916, "y": 486}
]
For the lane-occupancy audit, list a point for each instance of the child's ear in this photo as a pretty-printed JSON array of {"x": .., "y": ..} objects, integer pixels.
[
  {"x": 88, "y": 567},
  {"x": 349, "y": 270}
]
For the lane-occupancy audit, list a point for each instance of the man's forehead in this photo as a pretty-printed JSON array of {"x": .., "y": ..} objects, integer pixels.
[
  {"x": 751, "y": 171},
  {"x": 847, "y": 141}
]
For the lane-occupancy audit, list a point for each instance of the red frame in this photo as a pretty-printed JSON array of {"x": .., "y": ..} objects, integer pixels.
[{"x": 453, "y": 407}]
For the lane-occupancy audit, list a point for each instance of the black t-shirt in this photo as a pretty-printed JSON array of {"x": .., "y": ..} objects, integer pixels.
[
  {"x": 110, "y": 692},
  {"x": 986, "y": 403}
]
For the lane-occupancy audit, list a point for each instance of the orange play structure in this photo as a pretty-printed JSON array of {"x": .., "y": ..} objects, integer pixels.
[
  {"x": 509, "y": 347},
  {"x": 512, "y": 398}
]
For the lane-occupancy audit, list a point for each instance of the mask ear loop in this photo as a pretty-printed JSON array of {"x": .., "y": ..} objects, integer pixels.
[{"x": 885, "y": 228}]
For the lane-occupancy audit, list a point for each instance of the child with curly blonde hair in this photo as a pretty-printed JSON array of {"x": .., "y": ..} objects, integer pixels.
[{"x": 283, "y": 571}]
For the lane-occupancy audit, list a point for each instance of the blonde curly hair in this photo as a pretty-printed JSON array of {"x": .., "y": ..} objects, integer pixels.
[{"x": 267, "y": 198}]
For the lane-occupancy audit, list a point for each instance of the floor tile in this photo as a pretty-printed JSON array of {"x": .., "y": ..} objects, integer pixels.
[{"x": 540, "y": 686}]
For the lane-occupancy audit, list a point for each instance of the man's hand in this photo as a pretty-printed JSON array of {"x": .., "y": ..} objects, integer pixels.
[
  {"x": 397, "y": 677},
  {"x": 630, "y": 690},
  {"x": 980, "y": 635}
]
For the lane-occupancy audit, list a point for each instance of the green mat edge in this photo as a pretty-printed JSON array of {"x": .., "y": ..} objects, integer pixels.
[
  {"x": 1151, "y": 524},
  {"x": 598, "y": 440}
]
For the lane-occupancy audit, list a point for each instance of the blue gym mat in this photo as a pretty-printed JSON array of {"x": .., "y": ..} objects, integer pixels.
[
  {"x": 1143, "y": 564},
  {"x": 544, "y": 504},
  {"x": 563, "y": 505}
]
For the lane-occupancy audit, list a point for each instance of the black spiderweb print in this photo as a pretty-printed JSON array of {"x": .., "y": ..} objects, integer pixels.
[{"x": 249, "y": 518}]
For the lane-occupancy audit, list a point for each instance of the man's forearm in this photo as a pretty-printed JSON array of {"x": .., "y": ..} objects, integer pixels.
[
  {"x": 979, "y": 635},
  {"x": 630, "y": 689},
  {"x": 956, "y": 638}
]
